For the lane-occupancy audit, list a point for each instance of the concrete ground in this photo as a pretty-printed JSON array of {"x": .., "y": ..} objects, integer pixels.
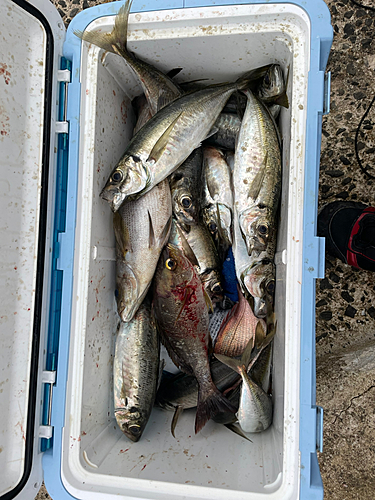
[{"x": 345, "y": 298}]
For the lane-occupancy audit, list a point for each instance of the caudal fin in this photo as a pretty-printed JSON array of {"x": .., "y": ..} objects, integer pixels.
[
  {"x": 116, "y": 40},
  {"x": 210, "y": 403}
]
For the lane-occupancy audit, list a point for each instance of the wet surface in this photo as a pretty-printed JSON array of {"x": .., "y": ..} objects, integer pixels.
[{"x": 345, "y": 298}]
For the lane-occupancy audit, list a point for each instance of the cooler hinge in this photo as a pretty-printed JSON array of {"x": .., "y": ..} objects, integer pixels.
[
  {"x": 48, "y": 379},
  {"x": 63, "y": 76}
]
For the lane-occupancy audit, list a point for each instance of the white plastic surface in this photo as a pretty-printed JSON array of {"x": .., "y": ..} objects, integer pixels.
[
  {"x": 22, "y": 80},
  {"x": 21, "y": 127},
  {"x": 97, "y": 459}
]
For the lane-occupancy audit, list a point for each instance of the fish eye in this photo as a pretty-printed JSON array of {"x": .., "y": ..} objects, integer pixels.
[
  {"x": 267, "y": 80},
  {"x": 186, "y": 202},
  {"x": 270, "y": 286},
  {"x": 212, "y": 227},
  {"x": 136, "y": 159},
  {"x": 262, "y": 229},
  {"x": 116, "y": 293},
  {"x": 117, "y": 176},
  {"x": 170, "y": 264},
  {"x": 135, "y": 430},
  {"x": 217, "y": 288}
]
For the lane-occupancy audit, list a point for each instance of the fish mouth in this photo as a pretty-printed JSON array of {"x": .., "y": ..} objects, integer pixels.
[
  {"x": 114, "y": 198},
  {"x": 260, "y": 307}
]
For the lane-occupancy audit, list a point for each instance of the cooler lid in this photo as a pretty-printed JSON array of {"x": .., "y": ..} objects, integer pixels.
[{"x": 27, "y": 63}]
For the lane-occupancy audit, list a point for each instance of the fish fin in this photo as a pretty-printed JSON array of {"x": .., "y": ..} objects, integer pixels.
[
  {"x": 101, "y": 40},
  {"x": 162, "y": 142},
  {"x": 151, "y": 233},
  {"x": 259, "y": 334},
  {"x": 115, "y": 41},
  {"x": 179, "y": 409},
  {"x": 212, "y": 131},
  {"x": 210, "y": 406},
  {"x": 163, "y": 100},
  {"x": 163, "y": 239},
  {"x": 233, "y": 363},
  {"x": 246, "y": 355},
  {"x": 184, "y": 300},
  {"x": 257, "y": 183},
  {"x": 188, "y": 251},
  {"x": 174, "y": 357},
  {"x": 282, "y": 100},
  {"x": 161, "y": 370},
  {"x": 208, "y": 301},
  {"x": 174, "y": 72},
  {"x": 120, "y": 30},
  {"x": 121, "y": 234},
  {"x": 237, "y": 430}
]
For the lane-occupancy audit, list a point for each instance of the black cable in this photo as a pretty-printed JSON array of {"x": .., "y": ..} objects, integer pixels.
[
  {"x": 356, "y": 140},
  {"x": 363, "y": 6}
]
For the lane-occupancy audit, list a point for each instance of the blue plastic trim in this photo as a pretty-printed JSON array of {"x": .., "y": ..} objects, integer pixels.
[
  {"x": 59, "y": 226},
  {"x": 313, "y": 257},
  {"x": 321, "y": 40}
]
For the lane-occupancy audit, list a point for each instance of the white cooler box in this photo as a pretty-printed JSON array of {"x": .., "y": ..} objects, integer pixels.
[{"x": 65, "y": 119}]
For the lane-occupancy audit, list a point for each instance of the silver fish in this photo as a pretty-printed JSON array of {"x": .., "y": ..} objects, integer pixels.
[
  {"x": 217, "y": 202},
  {"x": 135, "y": 372},
  {"x": 142, "y": 228},
  {"x": 165, "y": 142},
  {"x": 228, "y": 126},
  {"x": 158, "y": 88},
  {"x": 208, "y": 263},
  {"x": 185, "y": 183},
  {"x": 257, "y": 176}
]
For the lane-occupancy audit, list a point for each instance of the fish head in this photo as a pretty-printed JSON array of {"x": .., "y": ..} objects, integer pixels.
[
  {"x": 259, "y": 281},
  {"x": 256, "y": 228},
  {"x": 272, "y": 84},
  {"x": 131, "y": 421},
  {"x": 130, "y": 177},
  {"x": 174, "y": 268},
  {"x": 218, "y": 219},
  {"x": 127, "y": 291},
  {"x": 212, "y": 285},
  {"x": 184, "y": 206}
]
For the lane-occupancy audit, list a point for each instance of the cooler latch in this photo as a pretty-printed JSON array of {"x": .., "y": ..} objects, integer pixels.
[
  {"x": 319, "y": 428},
  {"x": 327, "y": 93},
  {"x": 48, "y": 378}
]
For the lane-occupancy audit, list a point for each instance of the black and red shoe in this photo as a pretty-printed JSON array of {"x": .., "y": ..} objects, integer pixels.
[{"x": 349, "y": 230}]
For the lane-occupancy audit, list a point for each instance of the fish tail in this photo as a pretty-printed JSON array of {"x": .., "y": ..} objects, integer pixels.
[
  {"x": 210, "y": 403},
  {"x": 115, "y": 41}
]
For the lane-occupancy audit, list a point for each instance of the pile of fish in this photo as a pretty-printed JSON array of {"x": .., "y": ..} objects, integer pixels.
[{"x": 195, "y": 198}]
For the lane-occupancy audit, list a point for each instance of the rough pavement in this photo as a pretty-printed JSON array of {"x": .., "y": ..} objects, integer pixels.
[{"x": 345, "y": 313}]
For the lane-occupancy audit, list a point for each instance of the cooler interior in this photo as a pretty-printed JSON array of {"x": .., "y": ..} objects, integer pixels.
[{"x": 218, "y": 43}]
